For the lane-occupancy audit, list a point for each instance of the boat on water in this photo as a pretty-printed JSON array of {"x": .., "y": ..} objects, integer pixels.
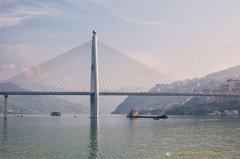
[
  {"x": 149, "y": 116},
  {"x": 134, "y": 114},
  {"x": 56, "y": 114}
]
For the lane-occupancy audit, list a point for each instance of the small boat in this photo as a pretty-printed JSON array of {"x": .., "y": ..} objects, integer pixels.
[{"x": 56, "y": 114}]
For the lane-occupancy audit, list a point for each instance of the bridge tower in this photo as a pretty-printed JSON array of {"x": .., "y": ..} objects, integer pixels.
[{"x": 94, "y": 99}]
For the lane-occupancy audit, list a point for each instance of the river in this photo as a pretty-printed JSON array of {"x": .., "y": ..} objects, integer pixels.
[{"x": 117, "y": 137}]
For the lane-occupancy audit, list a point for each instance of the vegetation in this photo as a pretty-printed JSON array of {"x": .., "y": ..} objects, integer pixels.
[{"x": 194, "y": 107}]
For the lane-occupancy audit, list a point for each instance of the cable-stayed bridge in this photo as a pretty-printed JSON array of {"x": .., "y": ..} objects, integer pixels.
[{"x": 94, "y": 69}]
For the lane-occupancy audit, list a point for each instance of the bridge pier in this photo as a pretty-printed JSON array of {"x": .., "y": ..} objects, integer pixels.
[
  {"x": 94, "y": 99},
  {"x": 5, "y": 106}
]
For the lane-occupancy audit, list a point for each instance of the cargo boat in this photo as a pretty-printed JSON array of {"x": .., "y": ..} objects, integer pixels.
[
  {"x": 134, "y": 114},
  {"x": 149, "y": 116}
]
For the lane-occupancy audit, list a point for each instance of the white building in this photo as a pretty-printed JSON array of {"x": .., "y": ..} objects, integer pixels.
[
  {"x": 215, "y": 113},
  {"x": 230, "y": 112}
]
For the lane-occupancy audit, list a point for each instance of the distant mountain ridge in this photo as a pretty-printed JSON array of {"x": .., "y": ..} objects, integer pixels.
[
  {"x": 146, "y": 102},
  {"x": 233, "y": 71},
  {"x": 38, "y": 104}
]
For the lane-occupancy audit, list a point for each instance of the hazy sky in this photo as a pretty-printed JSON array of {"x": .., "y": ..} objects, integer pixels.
[{"x": 181, "y": 38}]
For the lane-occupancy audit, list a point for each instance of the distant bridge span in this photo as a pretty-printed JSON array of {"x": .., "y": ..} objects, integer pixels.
[{"x": 124, "y": 94}]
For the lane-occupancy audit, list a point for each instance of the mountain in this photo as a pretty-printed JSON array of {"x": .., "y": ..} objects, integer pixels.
[
  {"x": 143, "y": 102},
  {"x": 38, "y": 104},
  {"x": 193, "y": 85},
  {"x": 230, "y": 72}
]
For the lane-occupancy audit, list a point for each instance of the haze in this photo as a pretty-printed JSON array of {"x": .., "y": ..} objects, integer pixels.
[{"x": 184, "y": 39}]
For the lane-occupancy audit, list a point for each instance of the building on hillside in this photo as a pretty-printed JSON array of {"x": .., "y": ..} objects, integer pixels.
[
  {"x": 216, "y": 112},
  {"x": 230, "y": 86},
  {"x": 230, "y": 112}
]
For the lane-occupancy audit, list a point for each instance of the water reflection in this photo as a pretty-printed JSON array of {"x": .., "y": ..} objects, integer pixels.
[
  {"x": 5, "y": 131},
  {"x": 3, "y": 138},
  {"x": 93, "y": 139}
]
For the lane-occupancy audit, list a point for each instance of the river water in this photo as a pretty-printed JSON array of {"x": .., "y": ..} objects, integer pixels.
[{"x": 117, "y": 137}]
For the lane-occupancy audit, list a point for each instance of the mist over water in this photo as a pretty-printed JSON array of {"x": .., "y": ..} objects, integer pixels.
[{"x": 115, "y": 136}]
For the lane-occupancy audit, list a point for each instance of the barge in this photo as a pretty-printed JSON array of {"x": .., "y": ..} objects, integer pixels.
[
  {"x": 134, "y": 114},
  {"x": 149, "y": 116}
]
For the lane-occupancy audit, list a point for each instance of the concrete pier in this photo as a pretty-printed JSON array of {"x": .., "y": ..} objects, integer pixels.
[{"x": 5, "y": 106}]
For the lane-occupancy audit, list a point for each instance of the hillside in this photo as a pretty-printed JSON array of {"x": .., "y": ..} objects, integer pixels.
[
  {"x": 209, "y": 81},
  {"x": 233, "y": 71},
  {"x": 38, "y": 104},
  {"x": 195, "y": 107},
  {"x": 142, "y": 102}
]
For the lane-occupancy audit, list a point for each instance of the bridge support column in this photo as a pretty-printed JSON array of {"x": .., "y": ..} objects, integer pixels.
[
  {"x": 5, "y": 106},
  {"x": 94, "y": 99}
]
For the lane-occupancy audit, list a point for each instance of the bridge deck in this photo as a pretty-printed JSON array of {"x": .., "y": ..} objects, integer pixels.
[{"x": 123, "y": 93}]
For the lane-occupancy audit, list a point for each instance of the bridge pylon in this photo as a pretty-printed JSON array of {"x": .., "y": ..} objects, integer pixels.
[{"x": 94, "y": 99}]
